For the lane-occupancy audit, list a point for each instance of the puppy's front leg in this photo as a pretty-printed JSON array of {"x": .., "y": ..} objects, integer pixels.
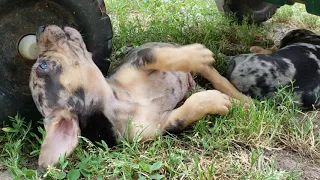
[
  {"x": 196, "y": 107},
  {"x": 223, "y": 85},
  {"x": 188, "y": 58}
]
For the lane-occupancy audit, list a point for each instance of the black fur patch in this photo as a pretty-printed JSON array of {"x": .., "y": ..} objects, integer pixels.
[
  {"x": 175, "y": 128},
  {"x": 144, "y": 56},
  {"x": 76, "y": 100},
  {"x": 308, "y": 99},
  {"x": 96, "y": 127},
  {"x": 115, "y": 94},
  {"x": 299, "y": 35},
  {"x": 40, "y": 99},
  {"x": 53, "y": 87}
]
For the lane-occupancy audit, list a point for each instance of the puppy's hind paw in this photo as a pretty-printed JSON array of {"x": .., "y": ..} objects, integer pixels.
[
  {"x": 209, "y": 102},
  {"x": 260, "y": 50}
]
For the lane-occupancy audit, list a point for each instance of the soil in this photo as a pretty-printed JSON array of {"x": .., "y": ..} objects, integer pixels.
[
  {"x": 4, "y": 174},
  {"x": 291, "y": 161}
]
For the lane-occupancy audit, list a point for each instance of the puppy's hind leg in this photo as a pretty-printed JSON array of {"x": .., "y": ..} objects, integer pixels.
[{"x": 194, "y": 108}]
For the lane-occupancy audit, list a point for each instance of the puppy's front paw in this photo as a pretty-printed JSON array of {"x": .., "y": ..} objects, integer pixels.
[{"x": 195, "y": 57}]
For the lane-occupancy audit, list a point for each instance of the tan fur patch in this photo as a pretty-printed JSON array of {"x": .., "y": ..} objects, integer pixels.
[
  {"x": 189, "y": 58},
  {"x": 260, "y": 50},
  {"x": 71, "y": 79}
]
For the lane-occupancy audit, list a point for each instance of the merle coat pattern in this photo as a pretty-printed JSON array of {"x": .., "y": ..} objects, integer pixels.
[
  {"x": 297, "y": 62},
  {"x": 67, "y": 87}
]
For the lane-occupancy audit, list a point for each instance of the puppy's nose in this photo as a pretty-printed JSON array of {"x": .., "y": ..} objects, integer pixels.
[{"x": 41, "y": 29}]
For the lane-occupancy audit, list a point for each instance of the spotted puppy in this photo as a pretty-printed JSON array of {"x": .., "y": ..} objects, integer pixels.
[
  {"x": 67, "y": 87},
  {"x": 296, "y": 62}
]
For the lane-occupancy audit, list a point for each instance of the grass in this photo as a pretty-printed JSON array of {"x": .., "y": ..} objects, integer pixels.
[
  {"x": 297, "y": 16},
  {"x": 217, "y": 147}
]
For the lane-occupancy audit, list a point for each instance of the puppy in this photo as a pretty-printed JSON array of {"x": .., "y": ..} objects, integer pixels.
[
  {"x": 297, "y": 62},
  {"x": 139, "y": 98}
]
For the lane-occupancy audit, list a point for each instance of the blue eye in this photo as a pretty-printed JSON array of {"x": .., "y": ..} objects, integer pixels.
[{"x": 43, "y": 66}]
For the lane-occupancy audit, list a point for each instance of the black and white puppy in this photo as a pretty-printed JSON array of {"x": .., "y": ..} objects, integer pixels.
[{"x": 296, "y": 62}]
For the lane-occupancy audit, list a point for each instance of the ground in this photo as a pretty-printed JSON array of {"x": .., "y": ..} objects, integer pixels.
[
  {"x": 291, "y": 161},
  {"x": 273, "y": 141}
]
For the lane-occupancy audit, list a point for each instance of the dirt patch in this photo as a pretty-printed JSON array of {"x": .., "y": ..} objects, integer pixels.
[
  {"x": 313, "y": 115},
  {"x": 4, "y": 175},
  {"x": 292, "y": 161},
  {"x": 279, "y": 30}
]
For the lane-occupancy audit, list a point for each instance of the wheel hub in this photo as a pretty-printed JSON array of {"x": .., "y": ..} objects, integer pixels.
[{"x": 27, "y": 47}]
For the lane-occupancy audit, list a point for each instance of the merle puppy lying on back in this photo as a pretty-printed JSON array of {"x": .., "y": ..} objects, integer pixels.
[
  {"x": 140, "y": 97},
  {"x": 297, "y": 61}
]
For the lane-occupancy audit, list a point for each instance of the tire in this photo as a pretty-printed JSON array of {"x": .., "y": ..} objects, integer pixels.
[
  {"x": 257, "y": 11},
  {"x": 88, "y": 16}
]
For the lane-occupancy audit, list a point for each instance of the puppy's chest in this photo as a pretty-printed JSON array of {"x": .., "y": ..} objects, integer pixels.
[{"x": 159, "y": 91}]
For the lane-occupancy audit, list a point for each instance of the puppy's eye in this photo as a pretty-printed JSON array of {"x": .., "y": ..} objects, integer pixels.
[{"x": 43, "y": 66}]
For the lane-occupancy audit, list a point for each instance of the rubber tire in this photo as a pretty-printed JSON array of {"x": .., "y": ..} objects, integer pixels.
[
  {"x": 241, "y": 8},
  {"x": 90, "y": 20}
]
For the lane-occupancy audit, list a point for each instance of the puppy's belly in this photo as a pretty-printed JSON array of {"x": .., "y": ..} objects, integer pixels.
[
  {"x": 159, "y": 93},
  {"x": 167, "y": 89}
]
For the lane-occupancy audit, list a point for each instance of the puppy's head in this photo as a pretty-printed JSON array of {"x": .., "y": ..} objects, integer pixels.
[
  {"x": 299, "y": 35},
  {"x": 233, "y": 62},
  {"x": 64, "y": 84}
]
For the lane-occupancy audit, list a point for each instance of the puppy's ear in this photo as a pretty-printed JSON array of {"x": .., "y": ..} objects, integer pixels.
[
  {"x": 228, "y": 59},
  {"x": 62, "y": 131}
]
